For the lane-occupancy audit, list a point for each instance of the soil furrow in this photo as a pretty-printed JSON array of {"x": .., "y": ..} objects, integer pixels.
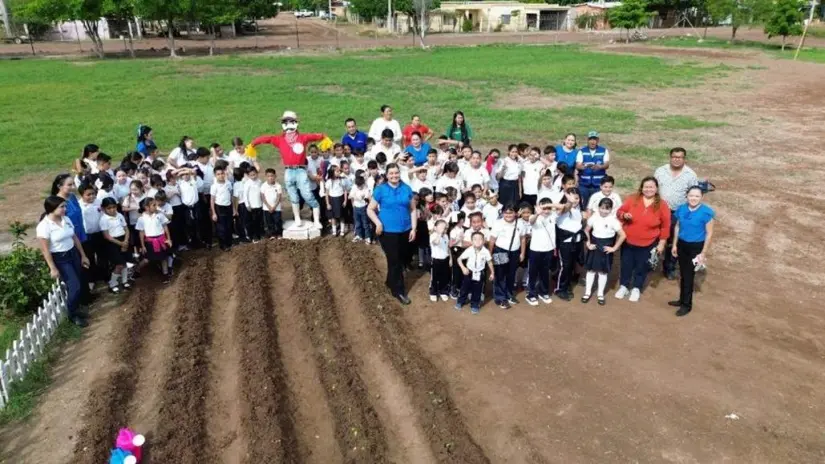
[
  {"x": 223, "y": 405},
  {"x": 109, "y": 398},
  {"x": 313, "y": 419},
  {"x": 408, "y": 442},
  {"x": 181, "y": 433},
  {"x": 448, "y": 435},
  {"x": 267, "y": 415},
  {"x": 358, "y": 430}
]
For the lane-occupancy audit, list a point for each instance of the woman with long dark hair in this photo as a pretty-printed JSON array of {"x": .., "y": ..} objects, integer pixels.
[
  {"x": 63, "y": 253},
  {"x": 459, "y": 131},
  {"x": 646, "y": 221}
]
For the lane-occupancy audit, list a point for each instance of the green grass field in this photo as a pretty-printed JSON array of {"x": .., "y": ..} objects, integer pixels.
[
  {"x": 812, "y": 54},
  {"x": 54, "y": 107}
]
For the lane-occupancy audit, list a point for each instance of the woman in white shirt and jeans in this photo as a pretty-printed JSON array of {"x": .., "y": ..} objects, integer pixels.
[{"x": 63, "y": 253}]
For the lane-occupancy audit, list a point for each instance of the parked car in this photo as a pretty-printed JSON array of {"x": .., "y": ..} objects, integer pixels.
[
  {"x": 325, "y": 15},
  {"x": 304, "y": 14},
  {"x": 18, "y": 39}
]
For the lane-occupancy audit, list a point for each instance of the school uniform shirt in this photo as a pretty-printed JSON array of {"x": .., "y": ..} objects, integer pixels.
[
  {"x": 418, "y": 184},
  {"x": 457, "y": 235},
  {"x": 359, "y": 196},
  {"x": 208, "y": 177},
  {"x": 604, "y": 227},
  {"x": 334, "y": 187},
  {"x": 544, "y": 192},
  {"x": 404, "y": 170},
  {"x": 314, "y": 166},
  {"x": 91, "y": 217},
  {"x": 570, "y": 221},
  {"x": 189, "y": 190},
  {"x": 532, "y": 176},
  {"x": 115, "y": 225},
  {"x": 593, "y": 203},
  {"x": 102, "y": 194},
  {"x": 221, "y": 193},
  {"x": 133, "y": 202},
  {"x": 252, "y": 194},
  {"x": 439, "y": 247},
  {"x": 179, "y": 156},
  {"x": 235, "y": 159},
  {"x": 443, "y": 182},
  {"x": 525, "y": 227},
  {"x": 692, "y": 224},
  {"x": 467, "y": 212},
  {"x": 543, "y": 237},
  {"x": 475, "y": 259},
  {"x": 152, "y": 224},
  {"x": 273, "y": 194},
  {"x": 60, "y": 235},
  {"x": 391, "y": 152},
  {"x": 91, "y": 165},
  {"x": 335, "y": 161},
  {"x": 121, "y": 191},
  {"x": 152, "y": 192},
  {"x": 356, "y": 166},
  {"x": 468, "y": 234},
  {"x": 172, "y": 194},
  {"x": 504, "y": 232},
  {"x": 238, "y": 191},
  {"x": 491, "y": 213},
  {"x": 471, "y": 176},
  {"x": 512, "y": 169},
  {"x": 166, "y": 210}
]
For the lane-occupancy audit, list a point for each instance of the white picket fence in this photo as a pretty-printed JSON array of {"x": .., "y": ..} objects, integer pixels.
[{"x": 33, "y": 340}]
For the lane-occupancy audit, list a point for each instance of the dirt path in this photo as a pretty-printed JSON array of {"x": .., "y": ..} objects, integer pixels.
[
  {"x": 314, "y": 422},
  {"x": 266, "y": 417},
  {"x": 393, "y": 398},
  {"x": 223, "y": 400},
  {"x": 358, "y": 430}
]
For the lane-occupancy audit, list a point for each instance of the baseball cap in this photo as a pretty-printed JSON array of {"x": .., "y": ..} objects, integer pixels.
[{"x": 592, "y": 135}]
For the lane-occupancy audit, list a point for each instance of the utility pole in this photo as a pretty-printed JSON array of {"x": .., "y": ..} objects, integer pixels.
[
  {"x": 4, "y": 16},
  {"x": 804, "y": 32},
  {"x": 389, "y": 16}
]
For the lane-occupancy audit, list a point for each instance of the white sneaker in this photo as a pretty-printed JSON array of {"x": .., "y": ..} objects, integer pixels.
[
  {"x": 368, "y": 241},
  {"x": 445, "y": 297},
  {"x": 342, "y": 232},
  {"x": 433, "y": 298},
  {"x": 356, "y": 239},
  {"x": 635, "y": 294},
  {"x": 621, "y": 293},
  {"x": 546, "y": 299}
]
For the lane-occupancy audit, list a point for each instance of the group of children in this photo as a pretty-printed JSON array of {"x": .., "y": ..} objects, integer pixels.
[{"x": 480, "y": 218}]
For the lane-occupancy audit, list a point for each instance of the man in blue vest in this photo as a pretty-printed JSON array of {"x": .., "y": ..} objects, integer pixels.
[
  {"x": 592, "y": 162},
  {"x": 356, "y": 139}
]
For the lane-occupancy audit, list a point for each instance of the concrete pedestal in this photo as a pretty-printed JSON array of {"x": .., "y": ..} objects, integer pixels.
[{"x": 305, "y": 232}]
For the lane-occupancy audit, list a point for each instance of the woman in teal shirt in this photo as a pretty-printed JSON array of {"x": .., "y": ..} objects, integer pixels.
[
  {"x": 459, "y": 131},
  {"x": 694, "y": 230}
]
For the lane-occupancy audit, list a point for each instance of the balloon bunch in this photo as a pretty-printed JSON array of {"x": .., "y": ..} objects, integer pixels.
[
  {"x": 250, "y": 151},
  {"x": 127, "y": 447}
]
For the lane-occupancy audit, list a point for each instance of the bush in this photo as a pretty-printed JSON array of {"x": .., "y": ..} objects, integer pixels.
[
  {"x": 24, "y": 276},
  {"x": 467, "y": 25},
  {"x": 498, "y": 28}
]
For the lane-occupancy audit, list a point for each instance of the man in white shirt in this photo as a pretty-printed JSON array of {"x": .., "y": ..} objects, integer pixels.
[{"x": 674, "y": 178}]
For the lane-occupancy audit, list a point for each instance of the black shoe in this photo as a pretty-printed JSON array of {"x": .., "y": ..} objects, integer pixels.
[
  {"x": 513, "y": 301},
  {"x": 601, "y": 300},
  {"x": 79, "y": 321},
  {"x": 503, "y": 304},
  {"x": 167, "y": 278},
  {"x": 683, "y": 311},
  {"x": 585, "y": 298},
  {"x": 675, "y": 303},
  {"x": 670, "y": 275},
  {"x": 404, "y": 299},
  {"x": 564, "y": 296}
]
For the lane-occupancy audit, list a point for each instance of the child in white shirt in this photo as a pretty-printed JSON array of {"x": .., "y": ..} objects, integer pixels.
[
  {"x": 336, "y": 198},
  {"x": 440, "y": 256},
  {"x": 222, "y": 207},
  {"x": 239, "y": 204},
  {"x": 472, "y": 263},
  {"x": 155, "y": 240},
  {"x": 601, "y": 231},
  {"x": 456, "y": 243},
  {"x": 254, "y": 205},
  {"x": 116, "y": 233},
  {"x": 272, "y": 193},
  {"x": 360, "y": 195},
  {"x": 542, "y": 244},
  {"x": 605, "y": 191}
]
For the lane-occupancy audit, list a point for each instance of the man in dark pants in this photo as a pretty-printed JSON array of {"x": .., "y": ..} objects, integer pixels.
[
  {"x": 393, "y": 212},
  {"x": 675, "y": 179}
]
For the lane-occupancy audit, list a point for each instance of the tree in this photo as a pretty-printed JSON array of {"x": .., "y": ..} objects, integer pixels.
[
  {"x": 419, "y": 11},
  {"x": 631, "y": 14},
  {"x": 121, "y": 10},
  {"x": 168, "y": 11},
  {"x": 740, "y": 12},
  {"x": 785, "y": 19},
  {"x": 370, "y": 9},
  {"x": 89, "y": 13},
  {"x": 213, "y": 13}
]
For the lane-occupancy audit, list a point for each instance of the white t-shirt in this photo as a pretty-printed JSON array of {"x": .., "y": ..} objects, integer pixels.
[
  {"x": 544, "y": 233},
  {"x": 252, "y": 194},
  {"x": 355, "y": 166},
  {"x": 151, "y": 224},
  {"x": 378, "y": 126},
  {"x": 475, "y": 259},
  {"x": 60, "y": 235},
  {"x": 491, "y": 213},
  {"x": 334, "y": 187},
  {"x": 417, "y": 184},
  {"x": 391, "y": 152},
  {"x": 238, "y": 191},
  {"x": 208, "y": 176},
  {"x": 443, "y": 182},
  {"x": 221, "y": 193},
  {"x": 504, "y": 231},
  {"x": 468, "y": 234},
  {"x": 235, "y": 159},
  {"x": 189, "y": 190},
  {"x": 604, "y": 227},
  {"x": 172, "y": 194},
  {"x": 439, "y": 247},
  {"x": 593, "y": 203},
  {"x": 475, "y": 176},
  {"x": 115, "y": 225},
  {"x": 456, "y": 235},
  {"x": 511, "y": 168},
  {"x": 178, "y": 156},
  {"x": 532, "y": 176},
  {"x": 166, "y": 210},
  {"x": 91, "y": 217},
  {"x": 570, "y": 221},
  {"x": 359, "y": 196},
  {"x": 273, "y": 194},
  {"x": 545, "y": 193},
  {"x": 467, "y": 212},
  {"x": 121, "y": 191},
  {"x": 133, "y": 202}
]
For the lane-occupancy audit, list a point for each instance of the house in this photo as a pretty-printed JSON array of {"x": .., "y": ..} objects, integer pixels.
[
  {"x": 596, "y": 14},
  {"x": 73, "y": 30},
  {"x": 490, "y": 16}
]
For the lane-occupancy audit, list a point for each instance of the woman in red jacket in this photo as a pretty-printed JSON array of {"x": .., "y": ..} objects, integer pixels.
[{"x": 646, "y": 220}]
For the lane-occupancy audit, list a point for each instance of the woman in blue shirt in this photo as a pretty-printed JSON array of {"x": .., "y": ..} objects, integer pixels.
[
  {"x": 63, "y": 187},
  {"x": 694, "y": 230},
  {"x": 417, "y": 149},
  {"x": 566, "y": 153},
  {"x": 145, "y": 141},
  {"x": 393, "y": 212}
]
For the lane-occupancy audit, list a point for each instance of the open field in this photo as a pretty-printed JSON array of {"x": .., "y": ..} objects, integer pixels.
[{"x": 292, "y": 352}]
